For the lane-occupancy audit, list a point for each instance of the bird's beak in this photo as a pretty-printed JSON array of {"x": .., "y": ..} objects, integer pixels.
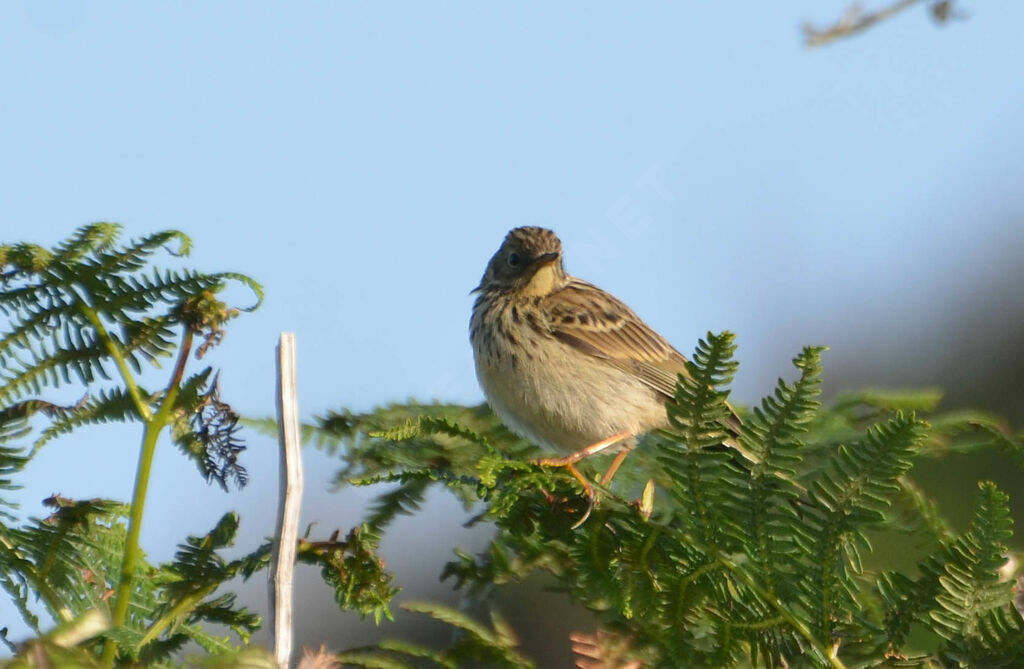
[{"x": 545, "y": 259}]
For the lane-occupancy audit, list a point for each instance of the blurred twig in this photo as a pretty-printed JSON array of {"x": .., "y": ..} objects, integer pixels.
[{"x": 855, "y": 20}]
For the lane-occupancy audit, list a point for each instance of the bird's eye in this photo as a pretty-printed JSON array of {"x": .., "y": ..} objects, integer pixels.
[{"x": 513, "y": 259}]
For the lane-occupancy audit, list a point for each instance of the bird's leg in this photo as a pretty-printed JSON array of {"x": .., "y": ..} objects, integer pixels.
[
  {"x": 569, "y": 461},
  {"x": 614, "y": 467},
  {"x": 593, "y": 449}
]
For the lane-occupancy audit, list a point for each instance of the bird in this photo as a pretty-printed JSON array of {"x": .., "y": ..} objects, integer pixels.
[{"x": 563, "y": 363}]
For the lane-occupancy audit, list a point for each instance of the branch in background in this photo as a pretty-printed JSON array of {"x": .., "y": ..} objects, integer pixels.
[{"x": 855, "y": 20}]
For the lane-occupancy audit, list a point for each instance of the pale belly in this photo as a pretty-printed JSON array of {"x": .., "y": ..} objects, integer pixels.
[{"x": 567, "y": 400}]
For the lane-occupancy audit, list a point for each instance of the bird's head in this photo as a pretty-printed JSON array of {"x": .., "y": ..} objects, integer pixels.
[{"x": 529, "y": 262}]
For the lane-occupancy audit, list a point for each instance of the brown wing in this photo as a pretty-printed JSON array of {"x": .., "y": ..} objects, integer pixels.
[{"x": 599, "y": 324}]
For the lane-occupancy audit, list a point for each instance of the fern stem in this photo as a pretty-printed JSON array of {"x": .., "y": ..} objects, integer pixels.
[
  {"x": 154, "y": 426},
  {"x": 706, "y": 529},
  {"x": 187, "y": 603},
  {"x": 119, "y": 359},
  {"x": 767, "y": 623},
  {"x": 795, "y": 622},
  {"x": 762, "y": 534}
]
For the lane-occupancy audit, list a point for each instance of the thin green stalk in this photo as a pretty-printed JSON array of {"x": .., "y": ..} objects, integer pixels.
[
  {"x": 795, "y": 622},
  {"x": 724, "y": 562},
  {"x": 119, "y": 359},
  {"x": 187, "y": 603},
  {"x": 154, "y": 425}
]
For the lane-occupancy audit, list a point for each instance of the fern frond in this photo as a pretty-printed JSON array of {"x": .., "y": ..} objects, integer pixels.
[
  {"x": 250, "y": 657},
  {"x": 762, "y": 512},
  {"x": 403, "y": 500},
  {"x": 224, "y": 610},
  {"x": 197, "y": 564},
  {"x": 355, "y": 572},
  {"x": 446, "y": 443},
  {"x": 14, "y": 424},
  {"x": 917, "y": 514},
  {"x": 137, "y": 253},
  {"x": 139, "y": 292},
  {"x": 184, "y": 587},
  {"x": 454, "y": 618},
  {"x": 699, "y": 408},
  {"x": 971, "y": 588},
  {"x": 860, "y": 478},
  {"x": 51, "y": 557},
  {"x": 63, "y": 304},
  {"x": 496, "y": 647},
  {"x": 86, "y": 239},
  {"x": 850, "y": 494},
  {"x": 89, "y": 311},
  {"x": 148, "y": 340},
  {"x": 108, "y": 406},
  {"x": 415, "y": 652},
  {"x": 378, "y": 659},
  {"x": 697, "y": 415},
  {"x": 438, "y": 436},
  {"x": 967, "y": 432},
  {"x": 50, "y": 366},
  {"x": 889, "y": 401},
  {"x": 426, "y": 426},
  {"x": 772, "y": 432},
  {"x": 19, "y": 589}
]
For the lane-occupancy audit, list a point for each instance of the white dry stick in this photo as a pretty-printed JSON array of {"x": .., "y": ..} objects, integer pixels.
[{"x": 282, "y": 562}]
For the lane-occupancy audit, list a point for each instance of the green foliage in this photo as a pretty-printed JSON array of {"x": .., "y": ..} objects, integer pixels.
[
  {"x": 71, "y": 560},
  {"x": 972, "y": 613},
  {"x": 174, "y": 603},
  {"x": 477, "y": 644},
  {"x": 353, "y": 569},
  {"x": 92, "y": 315},
  {"x": 757, "y": 548},
  {"x": 759, "y": 560}
]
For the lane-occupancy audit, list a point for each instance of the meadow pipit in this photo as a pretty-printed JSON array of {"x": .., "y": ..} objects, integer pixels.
[{"x": 562, "y": 362}]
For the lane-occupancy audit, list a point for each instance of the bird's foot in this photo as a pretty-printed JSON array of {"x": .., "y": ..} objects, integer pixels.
[
  {"x": 569, "y": 462},
  {"x": 588, "y": 487}
]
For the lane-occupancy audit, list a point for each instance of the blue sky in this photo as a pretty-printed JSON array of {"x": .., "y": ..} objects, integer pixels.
[{"x": 363, "y": 161}]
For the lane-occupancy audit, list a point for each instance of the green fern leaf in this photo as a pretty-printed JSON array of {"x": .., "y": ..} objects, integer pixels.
[
  {"x": 971, "y": 588},
  {"x": 497, "y": 646},
  {"x": 691, "y": 452},
  {"x": 762, "y": 512},
  {"x": 403, "y": 500},
  {"x": 850, "y": 494}
]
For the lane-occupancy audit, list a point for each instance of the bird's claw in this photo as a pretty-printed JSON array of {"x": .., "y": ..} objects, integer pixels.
[{"x": 588, "y": 487}]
